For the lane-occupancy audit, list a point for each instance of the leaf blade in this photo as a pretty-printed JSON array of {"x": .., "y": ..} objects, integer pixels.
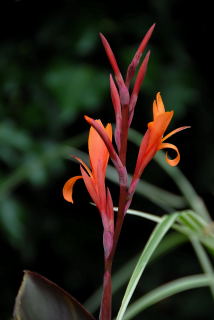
[
  {"x": 41, "y": 299},
  {"x": 155, "y": 238},
  {"x": 165, "y": 291}
]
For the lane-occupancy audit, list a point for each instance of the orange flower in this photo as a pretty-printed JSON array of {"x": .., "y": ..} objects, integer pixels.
[
  {"x": 153, "y": 140},
  {"x": 94, "y": 178}
]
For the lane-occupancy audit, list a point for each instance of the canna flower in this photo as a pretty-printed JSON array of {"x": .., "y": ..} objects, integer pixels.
[
  {"x": 154, "y": 140},
  {"x": 94, "y": 178}
]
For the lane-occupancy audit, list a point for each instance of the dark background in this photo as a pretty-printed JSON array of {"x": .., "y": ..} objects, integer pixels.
[{"x": 53, "y": 70}]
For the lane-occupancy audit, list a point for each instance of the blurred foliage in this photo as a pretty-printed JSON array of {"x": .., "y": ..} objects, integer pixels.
[{"x": 54, "y": 70}]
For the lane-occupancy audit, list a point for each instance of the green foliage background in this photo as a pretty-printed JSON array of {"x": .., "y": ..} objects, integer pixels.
[{"x": 53, "y": 71}]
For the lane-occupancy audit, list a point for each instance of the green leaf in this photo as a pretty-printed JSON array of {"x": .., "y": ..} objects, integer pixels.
[
  {"x": 204, "y": 261},
  {"x": 198, "y": 227},
  {"x": 189, "y": 223},
  {"x": 167, "y": 290},
  {"x": 41, "y": 299},
  {"x": 157, "y": 235}
]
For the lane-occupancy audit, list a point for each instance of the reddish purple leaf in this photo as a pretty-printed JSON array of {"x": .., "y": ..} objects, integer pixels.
[{"x": 40, "y": 299}]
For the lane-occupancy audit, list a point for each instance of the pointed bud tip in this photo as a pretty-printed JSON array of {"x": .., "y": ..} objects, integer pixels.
[
  {"x": 87, "y": 118},
  {"x": 103, "y": 39}
]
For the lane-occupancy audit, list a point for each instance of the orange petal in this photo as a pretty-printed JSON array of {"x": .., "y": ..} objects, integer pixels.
[
  {"x": 97, "y": 148},
  {"x": 171, "y": 162},
  {"x": 100, "y": 185},
  {"x": 84, "y": 165},
  {"x": 155, "y": 109},
  {"x": 175, "y": 131},
  {"x": 90, "y": 186},
  {"x": 158, "y": 127},
  {"x": 141, "y": 154},
  {"x": 68, "y": 188},
  {"x": 158, "y": 106}
]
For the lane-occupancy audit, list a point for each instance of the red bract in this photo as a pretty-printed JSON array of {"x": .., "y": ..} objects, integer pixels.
[
  {"x": 124, "y": 101},
  {"x": 135, "y": 61}
]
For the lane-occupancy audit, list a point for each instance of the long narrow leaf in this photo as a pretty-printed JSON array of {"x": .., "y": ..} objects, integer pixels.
[
  {"x": 167, "y": 290},
  {"x": 204, "y": 261},
  {"x": 154, "y": 240}
]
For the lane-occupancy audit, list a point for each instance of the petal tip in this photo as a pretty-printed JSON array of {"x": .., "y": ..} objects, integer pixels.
[{"x": 68, "y": 189}]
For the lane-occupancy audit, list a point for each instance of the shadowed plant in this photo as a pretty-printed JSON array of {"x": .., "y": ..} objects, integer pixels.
[{"x": 39, "y": 298}]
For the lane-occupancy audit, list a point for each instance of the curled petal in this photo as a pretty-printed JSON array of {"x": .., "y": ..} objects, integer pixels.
[
  {"x": 171, "y": 162},
  {"x": 83, "y": 164},
  {"x": 68, "y": 188},
  {"x": 175, "y": 131}
]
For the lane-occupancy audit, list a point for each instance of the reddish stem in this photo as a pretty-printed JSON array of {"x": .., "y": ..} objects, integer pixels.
[{"x": 105, "y": 310}]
